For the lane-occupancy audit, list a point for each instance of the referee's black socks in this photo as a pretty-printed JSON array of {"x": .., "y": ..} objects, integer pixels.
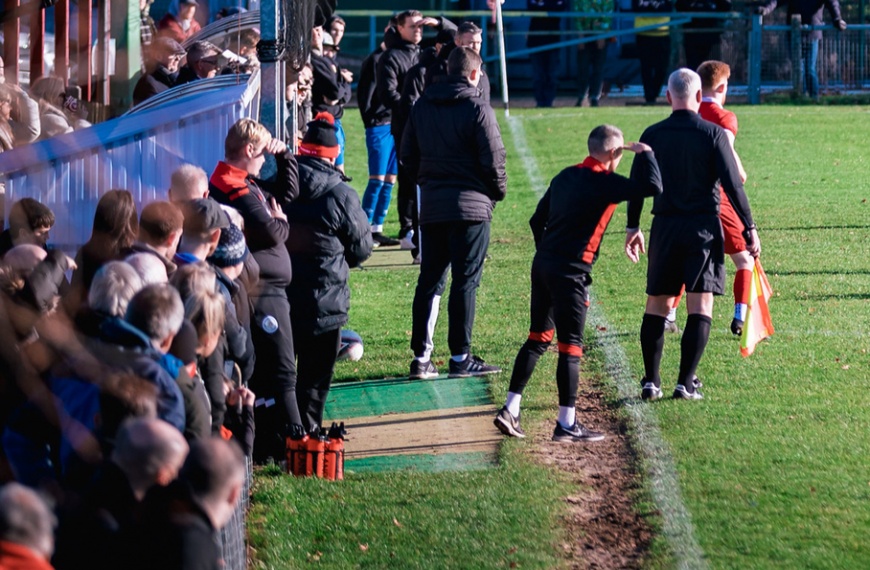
[
  {"x": 652, "y": 342},
  {"x": 693, "y": 343}
]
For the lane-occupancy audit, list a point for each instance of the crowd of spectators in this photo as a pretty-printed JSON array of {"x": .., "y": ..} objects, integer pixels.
[{"x": 127, "y": 392}]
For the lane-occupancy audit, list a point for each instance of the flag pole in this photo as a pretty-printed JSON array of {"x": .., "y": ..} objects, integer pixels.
[{"x": 499, "y": 23}]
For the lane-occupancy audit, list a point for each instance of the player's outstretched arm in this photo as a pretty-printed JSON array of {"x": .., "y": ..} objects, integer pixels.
[{"x": 634, "y": 244}]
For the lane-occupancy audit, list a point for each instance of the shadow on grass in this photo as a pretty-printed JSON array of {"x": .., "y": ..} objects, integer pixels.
[
  {"x": 806, "y": 228},
  {"x": 835, "y": 296},
  {"x": 803, "y": 273}
]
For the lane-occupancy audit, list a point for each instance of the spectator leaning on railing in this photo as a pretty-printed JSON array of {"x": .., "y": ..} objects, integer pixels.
[
  {"x": 59, "y": 112},
  {"x": 19, "y": 117},
  {"x": 810, "y": 12}
]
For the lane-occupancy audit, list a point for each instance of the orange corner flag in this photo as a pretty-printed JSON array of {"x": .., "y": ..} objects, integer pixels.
[{"x": 758, "y": 324}]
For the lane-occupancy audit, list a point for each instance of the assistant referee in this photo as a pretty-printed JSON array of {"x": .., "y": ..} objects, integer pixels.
[{"x": 686, "y": 243}]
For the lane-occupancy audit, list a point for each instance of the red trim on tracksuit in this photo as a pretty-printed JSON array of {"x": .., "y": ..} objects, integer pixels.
[
  {"x": 230, "y": 180},
  {"x": 595, "y": 165},
  {"x": 570, "y": 349},
  {"x": 545, "y": 336}
]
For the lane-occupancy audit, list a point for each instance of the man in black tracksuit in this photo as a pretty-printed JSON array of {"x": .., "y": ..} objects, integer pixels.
[
  {"x": 453, "y": 149},
  {"x": 392, "y": 67},
  {"x": 329, "y": 234},
  {"x": 568, "y": 226},
  {"x": 233, "y": 183},
  {"x": 686, "y": 242}
]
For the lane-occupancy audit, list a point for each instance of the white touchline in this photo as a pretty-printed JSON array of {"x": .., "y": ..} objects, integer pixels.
[{"x": 658, "y": 462}]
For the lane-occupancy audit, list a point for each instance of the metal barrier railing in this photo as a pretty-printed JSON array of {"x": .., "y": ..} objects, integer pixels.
[
  {"x": 137, "y": 152},
  {"x": 233, "y": 537},
  {"x": 760, "y": 55}
]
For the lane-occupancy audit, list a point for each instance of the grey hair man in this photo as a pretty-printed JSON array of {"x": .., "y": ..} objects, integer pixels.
[
  {"x": 187, "y": 183},
  {"x": 150, "y": 452},
  {"x": 113, "y": 286},
  {"x": 157, "y": 312},
  {"x": 686, "y": 243},
  {"x": 202, "y": 62},
  {"x": 202, "y": 502},
  {"x": 26, "y": 528},
  {"x": 149, "y": 268}
]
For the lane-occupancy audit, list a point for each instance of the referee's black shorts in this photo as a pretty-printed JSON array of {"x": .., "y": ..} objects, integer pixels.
[{"x": 686, "y": 250}]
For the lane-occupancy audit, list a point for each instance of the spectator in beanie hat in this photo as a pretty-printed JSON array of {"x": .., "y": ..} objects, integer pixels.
[
  {"x": 236, "y": 345},
  {"x": 320, "y": 140},
  {"x": 231, "y": 250},
  {"x": 329, "y": 234}
]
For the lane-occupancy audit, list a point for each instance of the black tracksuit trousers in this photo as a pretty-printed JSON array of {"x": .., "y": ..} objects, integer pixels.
[{"x": 461, "y": 246}]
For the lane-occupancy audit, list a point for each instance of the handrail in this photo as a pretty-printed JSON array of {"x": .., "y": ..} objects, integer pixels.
[
  {"x": 195, "y": 88},
  {"x": 244, "y": 20},
  {"x": 106, "y": 135}
]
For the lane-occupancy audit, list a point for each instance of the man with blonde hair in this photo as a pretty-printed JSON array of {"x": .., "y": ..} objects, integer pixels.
[
  {"x": 686, "y": 236},
  {"x": 234, "y": 182}
]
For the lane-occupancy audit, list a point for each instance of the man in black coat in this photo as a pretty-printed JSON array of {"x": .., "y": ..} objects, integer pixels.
[
  {"x": 392, "y": 68},
  {"x": 686, "y": 242},
  {"x": 452, "y": 147},
  {"x": 329, "y": 234},
  {"x": 161, "y": 71}
]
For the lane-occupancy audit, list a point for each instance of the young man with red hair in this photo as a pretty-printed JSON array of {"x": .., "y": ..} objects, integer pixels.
[{"x": 714, "y": 88}]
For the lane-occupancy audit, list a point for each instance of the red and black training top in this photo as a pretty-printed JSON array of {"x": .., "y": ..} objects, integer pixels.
[
  {"x": 573, "y": 214},
  {"x": 265, "y": 235}
]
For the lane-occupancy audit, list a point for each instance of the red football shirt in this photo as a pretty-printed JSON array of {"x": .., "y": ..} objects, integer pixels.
[{"x": 715, "y": 113}]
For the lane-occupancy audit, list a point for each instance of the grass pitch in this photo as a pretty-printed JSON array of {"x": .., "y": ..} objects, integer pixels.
[{"x": 773, "y": 465}]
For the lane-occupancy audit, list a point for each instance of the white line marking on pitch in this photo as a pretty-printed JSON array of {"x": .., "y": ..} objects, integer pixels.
[{"x": 661, "y": 474}]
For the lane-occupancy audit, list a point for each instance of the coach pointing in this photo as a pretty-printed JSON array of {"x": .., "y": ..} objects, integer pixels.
[{"x": 686, "y": 243}]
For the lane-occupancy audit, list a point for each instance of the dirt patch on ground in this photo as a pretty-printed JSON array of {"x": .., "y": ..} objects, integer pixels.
[{"x": 605, "y": 529}]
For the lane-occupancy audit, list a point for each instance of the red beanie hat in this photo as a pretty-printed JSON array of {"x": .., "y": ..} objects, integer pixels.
[{"x": 320, "y": 139}]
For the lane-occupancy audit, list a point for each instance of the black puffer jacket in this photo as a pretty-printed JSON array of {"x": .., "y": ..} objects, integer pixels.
[
  {"x": 452, "y": 147},
  {"x": 329, "y": 92},
  {"x": 415, "y": 82},
  {"x": 329, "y": 234},
  {"x": 370, "y": 108},
  {"x": 390, "y": 73}
]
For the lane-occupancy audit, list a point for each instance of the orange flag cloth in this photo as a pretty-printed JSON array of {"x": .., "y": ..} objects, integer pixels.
[{"x": 758, "y": 325}]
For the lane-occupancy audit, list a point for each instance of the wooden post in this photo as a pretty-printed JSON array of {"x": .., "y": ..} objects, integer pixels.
[
  {"x": 11, "y": 31},
  {"x": 37, "y": 45},
  {"x": 128, "y": 53},
  {"x": 84, "y": 73},
  {"x": 61, "y": 39}
]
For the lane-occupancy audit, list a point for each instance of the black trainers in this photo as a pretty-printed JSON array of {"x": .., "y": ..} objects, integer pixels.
[
  {"x": 682, "y": 393},
  {"x": 380, "y": 239},
  {"x": 576, "y": 433},
  {"x": 421, "y": 370},
  {"x": 508, "y": 424},
  {"x": 471, "y": 366},
  {"x": 737, "y": 326},
  {"x": 649, "y": 391}
]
